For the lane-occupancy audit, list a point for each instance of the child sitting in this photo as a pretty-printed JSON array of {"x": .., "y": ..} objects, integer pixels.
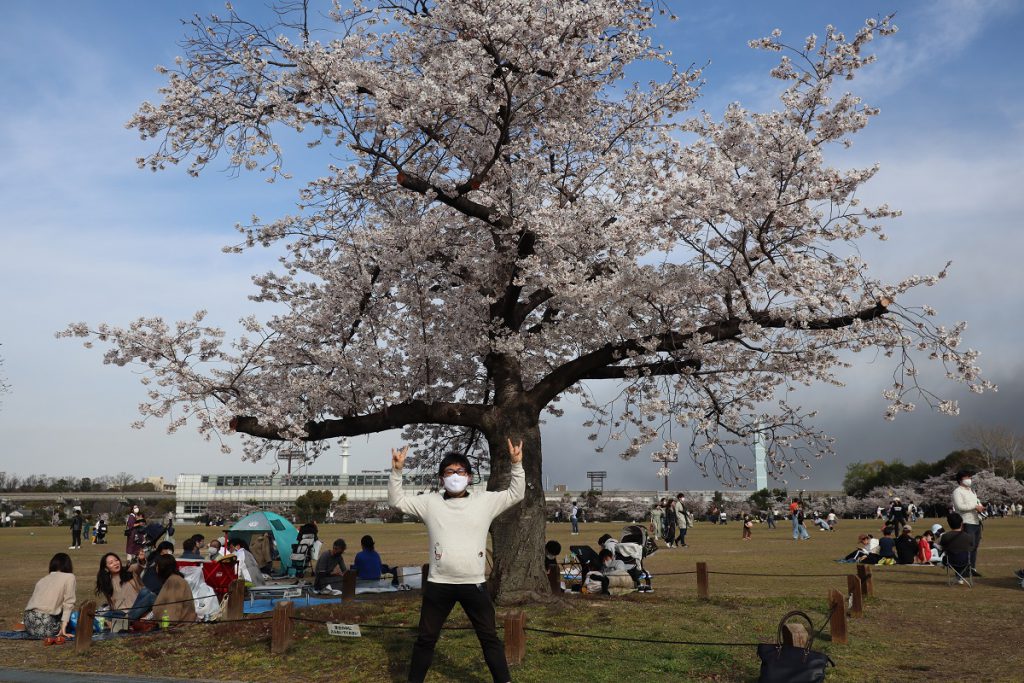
[{"x": 598, "y": 581}]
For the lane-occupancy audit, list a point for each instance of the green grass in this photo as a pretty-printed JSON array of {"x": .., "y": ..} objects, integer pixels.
[{"x": 915, "y": 624}]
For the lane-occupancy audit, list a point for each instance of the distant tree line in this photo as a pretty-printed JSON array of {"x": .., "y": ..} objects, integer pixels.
[{"x": 41, "y": 483}]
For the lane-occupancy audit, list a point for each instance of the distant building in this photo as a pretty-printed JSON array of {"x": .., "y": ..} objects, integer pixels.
[
  {"x": 159, "y": 484},
  {"x": 196, "y": 491}
]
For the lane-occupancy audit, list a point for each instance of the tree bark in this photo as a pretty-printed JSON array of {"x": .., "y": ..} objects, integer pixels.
[{"x": 518, "y": 534}]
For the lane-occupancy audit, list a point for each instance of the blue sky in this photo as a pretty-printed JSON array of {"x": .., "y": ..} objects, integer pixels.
[{"x": 85, "y": 235}]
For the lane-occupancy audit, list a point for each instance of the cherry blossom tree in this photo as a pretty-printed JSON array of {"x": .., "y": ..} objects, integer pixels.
[{"x": 502, "y": 220}]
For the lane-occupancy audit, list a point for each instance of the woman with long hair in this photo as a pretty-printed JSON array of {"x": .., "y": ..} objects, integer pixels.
[
  {"x": 53, "y": 600},
  {"x": 175, "y": 600},
  {"x": 118, "y": 584}
]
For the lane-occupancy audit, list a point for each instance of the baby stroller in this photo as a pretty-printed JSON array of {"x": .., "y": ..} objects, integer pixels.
[{"x": 633, "y": 546}]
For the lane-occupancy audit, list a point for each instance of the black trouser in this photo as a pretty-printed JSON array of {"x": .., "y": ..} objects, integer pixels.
[
  {"x": 438, "y": 601},
  {"x": 974, "y": 530},
  {"x": 76, "y": 537}
]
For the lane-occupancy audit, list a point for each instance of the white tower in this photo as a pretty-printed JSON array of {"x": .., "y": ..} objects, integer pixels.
[
  {"x": 344, "y": 456},
  {"x": 760, "y": 468}
]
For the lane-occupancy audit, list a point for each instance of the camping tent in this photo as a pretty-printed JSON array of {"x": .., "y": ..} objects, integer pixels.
[{"x": 281, "y": 530}]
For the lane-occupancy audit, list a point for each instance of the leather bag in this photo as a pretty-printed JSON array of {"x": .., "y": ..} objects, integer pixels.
[{"x": 788, "y": 664}]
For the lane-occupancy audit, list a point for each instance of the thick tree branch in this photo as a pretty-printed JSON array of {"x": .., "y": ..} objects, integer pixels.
[{"x": 390, "y": 417}]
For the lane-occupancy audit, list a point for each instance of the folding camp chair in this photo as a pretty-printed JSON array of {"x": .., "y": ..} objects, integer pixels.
[
  {"x": 958, "y": 569},
  {"x": 302, "y": 555}
]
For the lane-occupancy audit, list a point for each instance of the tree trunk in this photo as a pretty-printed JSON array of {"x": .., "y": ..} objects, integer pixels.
[{"x": 518, "y": 534}]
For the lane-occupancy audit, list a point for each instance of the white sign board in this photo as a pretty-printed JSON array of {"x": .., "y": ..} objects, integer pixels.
[
  {"x": 347, "y": 630},
  {"x": 292, "y": 593}
]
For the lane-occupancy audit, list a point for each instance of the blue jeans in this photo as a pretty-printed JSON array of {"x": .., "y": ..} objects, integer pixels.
[
  {"x": 575, "y": 525},
  {"x": 799, "y": 531},
  {"x": 143, "y": 604}
]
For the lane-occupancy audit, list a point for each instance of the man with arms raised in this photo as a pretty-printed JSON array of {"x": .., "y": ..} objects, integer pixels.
[{"x": 457, "y": 525}]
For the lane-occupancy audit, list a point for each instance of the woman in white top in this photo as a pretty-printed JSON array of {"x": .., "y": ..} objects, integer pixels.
[{"x": 49, "y": 609}]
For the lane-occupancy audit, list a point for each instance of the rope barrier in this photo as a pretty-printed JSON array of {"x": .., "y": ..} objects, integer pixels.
[
  {"x": 638, "y": 640},
  {"x": 773, "y": 576}
]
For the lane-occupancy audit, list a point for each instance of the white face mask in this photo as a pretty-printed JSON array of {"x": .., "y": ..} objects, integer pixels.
[
  {"x": 455, "y": 483},
  {"x": 966, "y": 482}
]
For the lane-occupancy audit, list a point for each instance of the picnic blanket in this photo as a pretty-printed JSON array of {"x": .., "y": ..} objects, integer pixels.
[{"x": 267, "y": 604}]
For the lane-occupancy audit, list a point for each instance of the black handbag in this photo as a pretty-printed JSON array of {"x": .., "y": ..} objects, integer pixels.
[{"x": 787, "y": 664}]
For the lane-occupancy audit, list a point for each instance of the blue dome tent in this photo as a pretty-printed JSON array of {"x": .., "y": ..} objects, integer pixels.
[{"x": 280, "y": 529}]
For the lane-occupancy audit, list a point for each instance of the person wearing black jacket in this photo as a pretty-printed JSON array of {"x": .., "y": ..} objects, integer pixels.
[
  {"x": 906, "y": 547},
  {"x": 897, "y": 517}
]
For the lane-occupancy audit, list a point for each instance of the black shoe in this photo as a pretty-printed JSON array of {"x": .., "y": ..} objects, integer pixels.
[{"x": 975, "y": 572}]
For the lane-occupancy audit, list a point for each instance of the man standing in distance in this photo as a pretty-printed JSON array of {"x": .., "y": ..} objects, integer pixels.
[
  {"x": 965, "y": 502},
  {"x": 457, "y": 525}
]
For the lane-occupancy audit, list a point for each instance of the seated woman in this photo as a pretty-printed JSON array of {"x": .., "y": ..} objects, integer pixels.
[
  {"x": 118, "y": 584},
  {"x": 368, "y": 564},
  {"x": 175, "y": 601},
  {"x": 53, "y": 600},
  {"x": 861, "y": 551},
  {"x": 598, "y": 580},
  {"x": 145, "y": 567}
]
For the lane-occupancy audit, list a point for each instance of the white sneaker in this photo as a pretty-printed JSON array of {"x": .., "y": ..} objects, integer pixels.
[{"x": 71, "y": 547}]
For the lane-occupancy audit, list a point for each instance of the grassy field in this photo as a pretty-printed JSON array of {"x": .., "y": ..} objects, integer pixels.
[{"x": 915, "y": 628}]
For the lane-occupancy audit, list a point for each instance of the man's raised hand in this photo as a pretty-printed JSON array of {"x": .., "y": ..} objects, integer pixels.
[
  {"x": 398, "y": 458},
  {"x": 515, "y": 452}
]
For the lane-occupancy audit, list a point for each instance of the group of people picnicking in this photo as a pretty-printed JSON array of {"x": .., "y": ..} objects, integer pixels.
[
  {"x": 147, "y": 588},
  {"x": 937, "y": 545}
]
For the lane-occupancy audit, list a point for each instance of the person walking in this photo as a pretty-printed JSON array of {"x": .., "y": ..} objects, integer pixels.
[
  {"x": 657, "y": 521},
  {"x": 574, "y": 518},
  {"x": 771, "y": 518},
  {"x": 799, "y": 530},
  {"x": 683, "y": 520},
  {"x": 670, "y": 522},
  {"x": 965, "y": 502},
  {"x": 748, "y": 526},
  {"x": 457, "y": 525}
]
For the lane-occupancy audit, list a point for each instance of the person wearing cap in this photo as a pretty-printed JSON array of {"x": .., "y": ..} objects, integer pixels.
[
  {"x": 966, "y": 504},
  {"x": 457, "y": 522},
  {"x": 897, "y": 516}
]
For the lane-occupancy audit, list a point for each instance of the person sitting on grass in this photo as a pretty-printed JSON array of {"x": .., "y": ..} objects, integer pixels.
[
  {"x": 887, "y": 547},
  {"x": 53, "y": 600},
  {"x": 552, "y": 549},
  {"x": 175, "y": 603},
  {"x": 248, "y": 570},
  {"x": 325, "y": 579},
  {"x": 368, "y": 564},
  {"x": 118, "y": 584},
  {"x": 926, "y": 553},
  {"x": 906, "y": 547},
  {"x": 861, "y": 552},
  {"x": 597, "y": 580}
]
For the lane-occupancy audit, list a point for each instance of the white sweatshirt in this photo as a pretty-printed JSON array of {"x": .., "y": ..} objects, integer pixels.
[
  {"x": 965, "y": 501},
  {"x": 457, "y": 527}
]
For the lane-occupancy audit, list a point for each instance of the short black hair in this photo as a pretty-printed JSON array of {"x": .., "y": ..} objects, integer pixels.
[
  {"x": 238, "y": 541},
  {"x": 61, "y": 562},
  {"x": 454, "y": 459},
  {"x": 955, "y": 520},
  {"x": 166, "y": 565},
  {"x": 603, "y": 538},
  {"x": 340, "y": 543},
  {"x": 189, "y": 545},
  {"x": 553, "y": 548},
  {"x": 367, "y": 542},
  {"x": 165, "y": 545},
  {"x": 887, "y": 531},
  {"x": 198, "y": 538},
  {"x": 606, "y": 553}
]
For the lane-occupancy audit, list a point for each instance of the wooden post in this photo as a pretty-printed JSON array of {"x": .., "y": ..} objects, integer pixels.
[
  {"x": 281, "y": 627},
  {"x": 837, "y": 624},
  {"x": 555, "y": 579},
  {"x": 794, "y": 634},
  {"x": 867, "y": 584},
  {"x": 702, "y": 581},
  {"x": 83, "y": 631},
  {"x": 348, "y": 585},
  {"x": 515, "y": 636},
  {"x": 853, "y": 587},
  {"x": 236, "y": 600}
]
